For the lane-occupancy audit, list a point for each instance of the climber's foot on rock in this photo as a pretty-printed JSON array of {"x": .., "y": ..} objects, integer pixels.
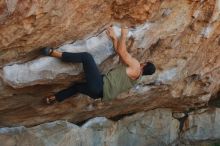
[
  {"x": 47, "y": 51},
  {"x": 50, "y": 100},
  {"x": 51, "y": 52}
]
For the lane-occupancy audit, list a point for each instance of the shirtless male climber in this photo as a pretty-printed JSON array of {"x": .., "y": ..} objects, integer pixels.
[{"x": 107, "y": 86}]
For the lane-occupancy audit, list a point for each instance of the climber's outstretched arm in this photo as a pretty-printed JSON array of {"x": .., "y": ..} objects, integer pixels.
[{"x": 133, "y": 70}]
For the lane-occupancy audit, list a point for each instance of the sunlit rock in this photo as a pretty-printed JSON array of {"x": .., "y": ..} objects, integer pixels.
[
  {"x": 43, "y": 70},
  {"x": 140, "y": 129},
  {"x": 180, "y": 37},
  {"x": 155, "y": 127}
]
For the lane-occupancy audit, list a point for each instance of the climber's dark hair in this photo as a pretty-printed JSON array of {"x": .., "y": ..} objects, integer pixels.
[{"x": 149, "y": 69}]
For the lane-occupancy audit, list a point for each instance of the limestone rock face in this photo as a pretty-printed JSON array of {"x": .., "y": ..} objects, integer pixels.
[
  {"x": 202, "y": 125},
  {"x": 152, "y": 128},
  {"x": 155, "y": 127},
  {"x": 182, "y": 38}
]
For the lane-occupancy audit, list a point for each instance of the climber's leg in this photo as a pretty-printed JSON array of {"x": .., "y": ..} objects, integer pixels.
[
  {"x": 68, "y": 92},
  {"x": 78, "y": 88},
  {"x": 63, "y": 94},
  {"x": 94, "y": 79},
  {"x": 51, "y": 52}
]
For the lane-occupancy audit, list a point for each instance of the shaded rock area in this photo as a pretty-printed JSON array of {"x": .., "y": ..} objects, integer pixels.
[
  {"x": 182, "y": 38},
  {"x": 155, "y": 127}
]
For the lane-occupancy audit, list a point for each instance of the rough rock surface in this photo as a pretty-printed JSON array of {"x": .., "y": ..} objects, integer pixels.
[
  {"x": 182, "y": 38},
  {"x": 156, "y": 127}
]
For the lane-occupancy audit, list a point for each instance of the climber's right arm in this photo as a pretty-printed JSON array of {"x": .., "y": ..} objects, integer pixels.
[{"x": 133, "y": 66}]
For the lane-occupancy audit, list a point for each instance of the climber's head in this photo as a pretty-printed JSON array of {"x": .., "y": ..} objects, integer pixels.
[{"x": 148, "y": 68}]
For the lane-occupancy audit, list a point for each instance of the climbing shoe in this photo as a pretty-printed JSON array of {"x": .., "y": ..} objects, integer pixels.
[
  {"x": 47, "y": 51},
  {"x": 50, "y": 100}
]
